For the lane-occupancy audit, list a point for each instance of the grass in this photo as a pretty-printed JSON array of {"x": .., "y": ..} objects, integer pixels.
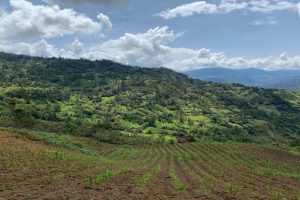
[
  {"x": 128, "y": 124},
  {"x": 108, "y": 99},
  {"x": 200, "y": 118},
  {"x": 272, "y": 173}
]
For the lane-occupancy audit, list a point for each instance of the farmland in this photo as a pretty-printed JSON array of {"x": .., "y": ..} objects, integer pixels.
[{"x": 68, "y": 167}]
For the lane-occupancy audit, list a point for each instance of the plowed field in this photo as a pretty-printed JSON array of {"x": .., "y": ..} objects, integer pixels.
[{"x": 31, "y": 169}]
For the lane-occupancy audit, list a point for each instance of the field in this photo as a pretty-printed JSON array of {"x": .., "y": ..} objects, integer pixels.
[{"x": 49, "y": 166}]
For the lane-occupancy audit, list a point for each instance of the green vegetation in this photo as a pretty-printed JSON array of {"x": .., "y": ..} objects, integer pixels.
[
  {"x": 147, "y": 177},
  {"x": 178, "y": 184},
  {"x": 121, "y": 104}
]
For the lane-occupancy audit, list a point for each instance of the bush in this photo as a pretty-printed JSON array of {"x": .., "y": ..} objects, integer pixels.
[{"x": 117, "y": 137}]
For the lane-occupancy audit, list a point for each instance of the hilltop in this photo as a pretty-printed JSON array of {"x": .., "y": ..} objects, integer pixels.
[{"x": 103, "y": 98}]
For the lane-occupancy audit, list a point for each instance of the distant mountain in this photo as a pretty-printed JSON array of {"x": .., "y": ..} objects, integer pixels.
[
  {"x": 283, "y": 79},
  {"x": 289, "y": 84}
]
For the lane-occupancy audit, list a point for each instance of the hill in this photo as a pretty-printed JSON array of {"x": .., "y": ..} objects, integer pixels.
[
  {"x": 281, "y": 79},
  {"x": 292, "y": 84},
  {"x": 102, "y": 99},
  {"x": 38, "y": 165}
]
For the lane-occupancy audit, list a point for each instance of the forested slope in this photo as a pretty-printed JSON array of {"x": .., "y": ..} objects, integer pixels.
[{"x": 87, "y": 97}]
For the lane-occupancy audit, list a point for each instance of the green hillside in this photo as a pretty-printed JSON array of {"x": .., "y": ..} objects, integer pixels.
[{"x": 101, "y": 98}]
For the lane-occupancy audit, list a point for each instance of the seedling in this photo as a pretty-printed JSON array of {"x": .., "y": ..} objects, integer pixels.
[
  {"x": 147, "y": 177},
  {"x": 90, "y": 181},
  {"x": 178, "y": 184},
  {"x": 229, "y": 187},
  {"x": 50, "y": 176}
]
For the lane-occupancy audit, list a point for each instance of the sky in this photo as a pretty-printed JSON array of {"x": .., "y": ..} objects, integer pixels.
[{"x": 178, "y": 34}]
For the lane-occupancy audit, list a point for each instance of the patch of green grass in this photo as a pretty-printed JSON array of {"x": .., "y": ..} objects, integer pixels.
[
  {"x": 108, "y": 99},
  {"x": 271, "y": 173},
  {"x": 128, "y": 124},
  {"x": 162, "y": 125},
  {"x": 157, "y": 131},
  {"x": 200, "y": 118},
  {"x": 67, "y": 110}
]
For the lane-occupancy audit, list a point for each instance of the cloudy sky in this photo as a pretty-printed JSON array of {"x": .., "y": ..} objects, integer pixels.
[{"x": 178, "y": 34}]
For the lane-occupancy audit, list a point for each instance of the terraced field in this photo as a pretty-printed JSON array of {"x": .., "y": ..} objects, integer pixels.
[{"x": 56, "y": 167}]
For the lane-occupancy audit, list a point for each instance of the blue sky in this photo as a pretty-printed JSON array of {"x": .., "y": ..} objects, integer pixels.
[{"x": 178, "y": 34}]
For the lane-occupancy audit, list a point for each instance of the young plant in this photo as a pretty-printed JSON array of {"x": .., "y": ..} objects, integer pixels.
[
  {"x": 143, "y": 180},
  {"x": 50, "y": 176},
  {"x": 107, "y": 175},
  {"x": 178, "y": 184},
  {"x": 229, "y": 187},
  {"x": 90, "y": 181}
]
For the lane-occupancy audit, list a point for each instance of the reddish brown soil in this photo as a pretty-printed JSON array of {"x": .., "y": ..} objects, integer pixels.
[
  {"x": 24, "y": 173},
  {"x": 162, "y": 187},
  {"x": 18, "y": 141}
]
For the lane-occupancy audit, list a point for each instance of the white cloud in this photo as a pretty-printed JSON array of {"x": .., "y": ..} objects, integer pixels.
[
  {"x": 73, "y": 2},
  {"x": 267, "y": 6},
  {"x": 266, "y": 21},
  {"x": 77, "y": 47},
  {"x": 150, "y": 49},
  {"x": 40, "y": 48},
  {"x": 1, "y": 11},
  {"x": 200, "y": 7},
  {"x": 227, "y": 6},
  {"x": 28, "y": 21},
  {"x": 105, "y": 21},
  {"x": 136, "y": 49}
]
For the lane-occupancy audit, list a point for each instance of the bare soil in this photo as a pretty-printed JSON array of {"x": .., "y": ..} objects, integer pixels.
[{"x": 31, "y": 169}]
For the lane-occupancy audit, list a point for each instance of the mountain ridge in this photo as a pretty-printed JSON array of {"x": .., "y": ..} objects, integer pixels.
[
  {"x": 278, "y": 79},
  {"x": 89, "y": 98}
]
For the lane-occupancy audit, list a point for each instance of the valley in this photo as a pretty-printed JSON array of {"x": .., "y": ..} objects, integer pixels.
[
  {"x": 80, "y": 129},
  {"x": 149, "y": 100}
]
